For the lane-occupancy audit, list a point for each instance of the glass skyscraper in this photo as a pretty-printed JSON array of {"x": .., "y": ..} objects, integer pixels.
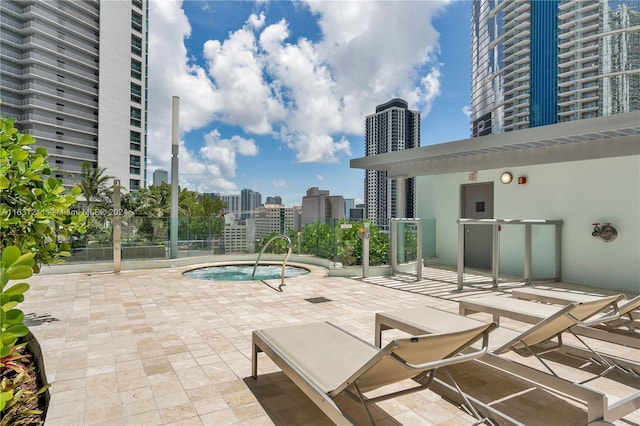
[{"x": 536, "y": 63}]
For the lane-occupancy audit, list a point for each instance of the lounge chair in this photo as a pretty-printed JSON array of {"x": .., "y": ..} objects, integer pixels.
[
  {"x": 543, "y": 337},
  {"x": 602, "y": 326},
  {"x": 554, "y": 297},
  {"x": 325, "y": 361},
  {"x": 629, "y": 310}
]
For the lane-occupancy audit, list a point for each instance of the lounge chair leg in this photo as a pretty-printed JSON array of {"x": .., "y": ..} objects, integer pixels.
[
  {"x": 364, "y": 404},
  {"x": 599, "y": 360},
  {"x": 254, "y": 361},
  {"x": 532, "y": 352},
  {"x": 468, "y": 407}
]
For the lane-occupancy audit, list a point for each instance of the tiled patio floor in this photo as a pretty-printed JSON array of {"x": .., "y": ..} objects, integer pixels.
[{"x": 153, "y": 347}]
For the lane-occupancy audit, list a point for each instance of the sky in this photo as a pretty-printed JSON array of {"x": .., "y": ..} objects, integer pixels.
[{"x": 274, "y": 94}]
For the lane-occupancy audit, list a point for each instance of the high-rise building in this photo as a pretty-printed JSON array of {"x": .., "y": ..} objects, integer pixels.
[
  {"x": 160, "y": 176},
  {"x": 274, "y": 200},
  {"x": 349, "y": 203},
  {"x": 319, "y": 205},
  {"x": 232, "y": 204},
  {"x": 536, "y": 63},
  {"x": 74, "y": 76},
  {"x": 393, "y": 127},
  {"x": 249, "y": 202}
]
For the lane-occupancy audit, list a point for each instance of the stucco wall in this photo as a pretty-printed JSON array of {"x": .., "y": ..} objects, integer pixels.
[{"x": 578, "y": 193}]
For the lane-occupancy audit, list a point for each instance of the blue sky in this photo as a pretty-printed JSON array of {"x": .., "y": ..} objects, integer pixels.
[{"x": 274, "y": 94}]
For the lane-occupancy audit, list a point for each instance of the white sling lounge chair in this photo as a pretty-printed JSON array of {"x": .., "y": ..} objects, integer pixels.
[
  {"x": 325, "y": 361},
  {"x": 543, "y": 337},
  {"x": 624, "y": 330},
  {"x": 601, "y": 326}
]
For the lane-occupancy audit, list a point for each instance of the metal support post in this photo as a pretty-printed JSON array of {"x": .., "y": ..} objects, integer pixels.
[
  {"x": 365, "y": 250},
  {"x": 527, "y": 253},
  {"x": 461, "y": 231},
  {"x": 495, "y": 256},
  {"x": 558, "y": 269},
  {"x": 117, "y": 228}
]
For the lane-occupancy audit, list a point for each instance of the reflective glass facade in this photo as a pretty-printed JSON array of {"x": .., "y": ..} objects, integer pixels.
[{"x": 536, "y": 63}]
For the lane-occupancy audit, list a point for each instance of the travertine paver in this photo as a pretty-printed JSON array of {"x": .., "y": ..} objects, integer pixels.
[{"x": 155, "y": 347}]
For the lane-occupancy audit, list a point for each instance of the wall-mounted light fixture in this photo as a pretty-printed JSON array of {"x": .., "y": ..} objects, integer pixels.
[{"x": 506, "y": 177}]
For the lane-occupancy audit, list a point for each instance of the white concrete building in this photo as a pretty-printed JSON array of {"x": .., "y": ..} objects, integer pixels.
[
  {"x": 580, "y": 173},
  {"x": 74, "y": 76}
]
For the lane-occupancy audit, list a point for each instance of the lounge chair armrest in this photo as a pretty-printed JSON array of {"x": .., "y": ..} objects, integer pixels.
[
  {"x": 443, "y": 362},
  {"x": 614, "y": 314}
]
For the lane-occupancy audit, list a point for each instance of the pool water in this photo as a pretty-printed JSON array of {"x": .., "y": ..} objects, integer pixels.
[{"x": 243, "y": 272}]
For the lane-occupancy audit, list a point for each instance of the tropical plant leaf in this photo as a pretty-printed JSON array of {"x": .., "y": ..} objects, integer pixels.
[
  {"x": 10, "y": 255},
  {"x": 16, "y": 289}
]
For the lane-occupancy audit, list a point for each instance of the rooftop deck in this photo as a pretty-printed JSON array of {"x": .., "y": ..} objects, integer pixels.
[{"x": 155, "y": 347}]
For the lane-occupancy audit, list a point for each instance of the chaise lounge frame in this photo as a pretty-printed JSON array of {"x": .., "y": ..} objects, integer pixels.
[
  {"x": 431, "y": 320},
  {"x": 532, "y": 312},
  {"x": 309, "y": 353}
]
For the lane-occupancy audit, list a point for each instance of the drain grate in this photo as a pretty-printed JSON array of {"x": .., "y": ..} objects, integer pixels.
[{"x": 318, "y": 299}]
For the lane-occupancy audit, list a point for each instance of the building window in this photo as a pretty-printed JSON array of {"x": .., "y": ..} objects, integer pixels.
[
  {"x": 136, "y": 21},
  {"x": 137, "y": 3},
  {"x": 136, "y": 45},
  {"x": 134, "y": 164},
  {"x": 136, "y": 116},
  {"x": 136, "y": 69},
  {"x": 134, "y": 140},
  {"x": 134, "y": 184},
  {"x": 136, "y": 93}
]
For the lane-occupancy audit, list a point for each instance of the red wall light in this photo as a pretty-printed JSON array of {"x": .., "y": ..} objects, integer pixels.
[{"x": 522, "y": 180}]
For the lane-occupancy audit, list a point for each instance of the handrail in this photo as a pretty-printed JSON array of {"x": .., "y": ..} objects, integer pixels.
[{"x": 284, "y": 262}]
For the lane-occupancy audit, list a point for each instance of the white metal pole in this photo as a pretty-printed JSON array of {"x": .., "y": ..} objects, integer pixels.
[
  {"x": 173, "y": 231},
  {"x": 117, "y": 228}
]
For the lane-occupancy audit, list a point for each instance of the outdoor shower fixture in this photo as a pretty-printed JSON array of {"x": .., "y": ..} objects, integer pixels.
[{"x": 606, "y": 232}]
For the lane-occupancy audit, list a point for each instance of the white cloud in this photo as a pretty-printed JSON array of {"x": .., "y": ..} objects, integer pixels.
[
  {"x": 309, "y": 94},
  {"x": 279, "y": 183},
  {"x": 320, "y": 177},
  {"x": 219, "y": 156},
  {"x": 466, "y": 110}
]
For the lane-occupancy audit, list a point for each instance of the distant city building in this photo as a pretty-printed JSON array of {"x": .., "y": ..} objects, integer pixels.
[
  {"x": 160, "y": 176},
  {"x": 349, "y": 203},
  {"x": 297, "y": 218},
  {"x": 356, "y": 214},
  {"x": 235, "y": 239},
  {"x": 249, "y": 202},
  {"x": 74, "y": 75},
  {"x": 274, "y": 218},
  {"x": 535, "y": 63},
  {"x": 319, "y": 205},
  {"x": 393, "y": 127},
  {"x": 232, "y": 203},
  {"x": 238, "y": 237},
  {"x": 274, "y": 200}
]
